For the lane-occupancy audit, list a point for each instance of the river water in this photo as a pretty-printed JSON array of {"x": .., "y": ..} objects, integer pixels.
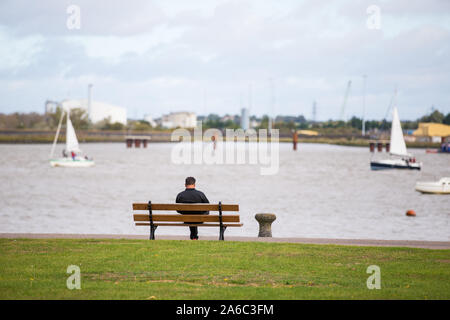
[{"x": 319, "y": 191}]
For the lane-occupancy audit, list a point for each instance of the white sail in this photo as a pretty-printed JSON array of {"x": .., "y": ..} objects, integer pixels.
[
  {"x": 398, "y": 145},
  {"x": 71, "y": 137}
]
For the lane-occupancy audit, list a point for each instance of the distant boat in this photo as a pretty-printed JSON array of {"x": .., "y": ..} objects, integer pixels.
[
  {"x": 402, "y": 159},
  {"x": 445, "y": 148},
  {"x": 440, "y": 187},
  {"x": 72, "y": 153}
]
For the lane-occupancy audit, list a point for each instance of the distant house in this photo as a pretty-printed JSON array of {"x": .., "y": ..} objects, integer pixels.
[
  {"x": 254, "y": 123},
  {"x": 227, "y": 118},
  {"x": 179, "y": 120},
  {"x": 434, "y": 132},
  {"x": 409, "y": 138},
  {"x": 50, "y": 106},
  {"x": 150, "y": 120}
]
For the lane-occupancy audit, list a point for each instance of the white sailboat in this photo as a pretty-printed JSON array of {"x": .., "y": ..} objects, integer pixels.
[
  {"x": 401, "y": 158},
  {"x": 72, "y": 152}
]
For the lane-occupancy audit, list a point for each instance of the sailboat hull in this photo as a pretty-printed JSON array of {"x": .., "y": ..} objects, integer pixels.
[
  {"x": 69, "y": 163},
  {"x": 440, "y": 187},
  {"x": 394, "y": 164}
]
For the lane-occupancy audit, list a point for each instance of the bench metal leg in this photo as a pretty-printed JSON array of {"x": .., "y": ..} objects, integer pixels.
[
  {"x": 152, "y": 232},
  {"x": 222, "y": 231}
]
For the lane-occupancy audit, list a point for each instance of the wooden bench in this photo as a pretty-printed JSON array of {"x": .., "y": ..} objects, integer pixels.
[{"x": 178, "y": 220}]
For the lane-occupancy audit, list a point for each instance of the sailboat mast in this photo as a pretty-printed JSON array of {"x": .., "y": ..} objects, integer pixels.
[
  {"x": 395, "y": 98},
  {"x": 363, "y": 131},
  {"x": 57, "y": 133},
  {"x": 391, "y": 103},
  {"x": 272, "y": 105}
]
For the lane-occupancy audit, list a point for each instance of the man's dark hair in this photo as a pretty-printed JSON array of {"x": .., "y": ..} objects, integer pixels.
[{"x": 190, "y": 181}]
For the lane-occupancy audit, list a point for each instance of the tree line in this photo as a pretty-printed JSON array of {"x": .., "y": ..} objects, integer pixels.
[
  {"x": 80, "y": 120},
  {"x": 50, "y": 120}
]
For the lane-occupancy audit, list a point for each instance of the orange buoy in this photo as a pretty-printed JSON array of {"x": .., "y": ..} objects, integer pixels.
[{"x": 411, "y": 213}]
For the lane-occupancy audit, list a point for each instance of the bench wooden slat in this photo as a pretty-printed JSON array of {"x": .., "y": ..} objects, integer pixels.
[
  {"x": 191, "y": 225},
  {"x": 186, "y": 218},
  {"x": 185, "y": 207}
]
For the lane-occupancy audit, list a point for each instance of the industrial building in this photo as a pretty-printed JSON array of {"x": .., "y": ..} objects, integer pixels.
[
  {"x": 96, "y": 110},
  {"x": 433, "y": 132},
  {"x": 179, "y": 120}
]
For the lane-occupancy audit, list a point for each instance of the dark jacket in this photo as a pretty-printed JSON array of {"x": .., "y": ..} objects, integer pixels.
[{"x": 192, "y": 196}]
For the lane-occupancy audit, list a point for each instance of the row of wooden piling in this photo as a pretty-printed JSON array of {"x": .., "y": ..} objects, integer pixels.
[
  {"x": 379, "y": 145},
  {"x": 137, "y": 141}
]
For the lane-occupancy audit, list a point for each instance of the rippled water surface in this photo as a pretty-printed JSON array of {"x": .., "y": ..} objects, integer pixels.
[{"x": 319, "y": 191}]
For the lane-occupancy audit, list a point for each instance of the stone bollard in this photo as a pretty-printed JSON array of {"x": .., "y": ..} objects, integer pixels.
[{"x": 265, "y": 223}]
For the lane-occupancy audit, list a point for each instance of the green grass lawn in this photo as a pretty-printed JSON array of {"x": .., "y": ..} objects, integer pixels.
[{"x": 142, "y": 269}]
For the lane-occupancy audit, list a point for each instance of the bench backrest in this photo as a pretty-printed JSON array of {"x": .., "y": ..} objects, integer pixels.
[
  {"x": 185, "y": 207},
  {"x": 187, "y": 217}
]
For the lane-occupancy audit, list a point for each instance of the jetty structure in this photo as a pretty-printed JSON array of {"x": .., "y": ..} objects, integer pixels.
[{"x": 137, "y": 141}]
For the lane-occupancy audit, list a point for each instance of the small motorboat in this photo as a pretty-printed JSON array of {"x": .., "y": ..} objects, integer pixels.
[
  {"x": 440, "y": 187},
  {"x": 445, "y": 148}
]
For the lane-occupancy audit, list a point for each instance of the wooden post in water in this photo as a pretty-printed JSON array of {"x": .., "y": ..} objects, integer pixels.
[
  {"x": 129, "y": 143},
  {"x": 380, "y": 147},
  {"x": 137, "y": 143},
  {"x": 214, "y": 140},
  {"x": 294, "y": 140}
]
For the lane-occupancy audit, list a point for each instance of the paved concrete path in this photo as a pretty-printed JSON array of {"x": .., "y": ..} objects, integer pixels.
[{"x": 349, "y": 242}]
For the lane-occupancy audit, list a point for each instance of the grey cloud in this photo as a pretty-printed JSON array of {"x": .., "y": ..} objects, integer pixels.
[
  {"x": 311, "y": 52},
  {"x": 100, "y": 17}
]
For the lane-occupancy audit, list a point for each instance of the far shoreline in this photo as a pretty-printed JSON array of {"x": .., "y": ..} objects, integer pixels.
[{"x": 30, "y": 138}]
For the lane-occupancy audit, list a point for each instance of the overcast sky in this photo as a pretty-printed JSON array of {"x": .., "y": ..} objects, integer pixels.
[{"x": 154, "y": 57}]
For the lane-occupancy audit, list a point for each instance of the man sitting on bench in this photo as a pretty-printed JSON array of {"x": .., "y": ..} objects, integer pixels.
[{"x": 191, "y": 195}]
